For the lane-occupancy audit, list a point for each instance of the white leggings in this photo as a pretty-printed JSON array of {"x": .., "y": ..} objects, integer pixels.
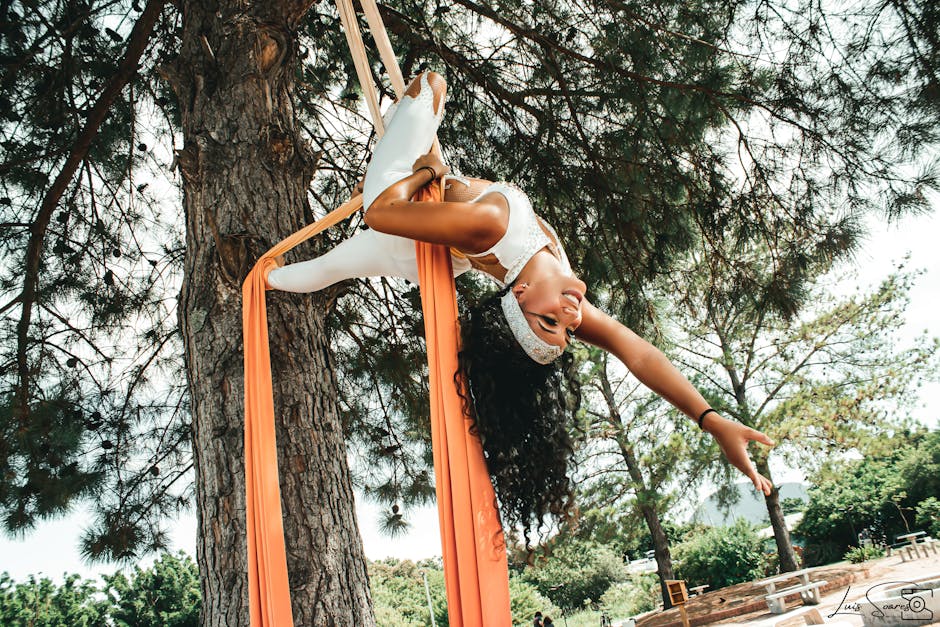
[{"x": 408, "y": 135}]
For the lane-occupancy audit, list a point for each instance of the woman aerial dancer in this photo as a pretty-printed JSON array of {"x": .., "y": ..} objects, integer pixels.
[{"x": 521, "y": 384}]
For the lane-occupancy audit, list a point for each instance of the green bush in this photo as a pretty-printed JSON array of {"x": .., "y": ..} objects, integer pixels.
[
  {"x": 928, "y": 515},
  {"x": 398, "y": 593},
  {"x": 720, "y": 556},
  {"x": 872, "y": 492},
  {"x": 575, "y": 572},
  {"x": 525, "y": 601},
  {"x": 41, "y": 602},
  {"x": 388, "y": 615},
  {"x": 640, "y": 593},
  {"x": 164, "y": 595},
  {"x": 792, "y": 505},
  {"x": 823, "y": 551},
  {"x": 859, "y": 554},
  {"x": 400, "y": 600}
]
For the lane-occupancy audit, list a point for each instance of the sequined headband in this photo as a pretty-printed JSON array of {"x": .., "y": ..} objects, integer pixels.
[{"x": 534, "y": 346}]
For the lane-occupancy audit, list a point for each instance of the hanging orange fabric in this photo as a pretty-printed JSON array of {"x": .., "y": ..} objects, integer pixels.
[
  {"x": 475, "y": 568},
  {"x": 268, "y": 589}
]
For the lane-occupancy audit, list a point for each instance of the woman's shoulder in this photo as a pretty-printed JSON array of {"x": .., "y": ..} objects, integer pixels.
[
  {"x": 510, "y": 191},
  {"x": 514, "y": 201}
]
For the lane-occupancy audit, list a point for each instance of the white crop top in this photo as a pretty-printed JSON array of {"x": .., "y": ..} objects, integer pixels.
[{"x": 524, "y": 236}]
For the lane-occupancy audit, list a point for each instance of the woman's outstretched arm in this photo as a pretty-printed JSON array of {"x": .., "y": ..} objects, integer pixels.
[{"x": 656, "y": 372}]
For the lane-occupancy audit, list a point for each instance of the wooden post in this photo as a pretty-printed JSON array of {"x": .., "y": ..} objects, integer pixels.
[{"x": 678, "y": 595}]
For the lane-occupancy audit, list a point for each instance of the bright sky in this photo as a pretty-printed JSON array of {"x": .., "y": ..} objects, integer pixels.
[{"x": 51, "y": 549}]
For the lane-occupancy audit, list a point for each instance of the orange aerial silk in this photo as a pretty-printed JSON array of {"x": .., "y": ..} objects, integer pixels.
[{"x": 475, "y": 568}]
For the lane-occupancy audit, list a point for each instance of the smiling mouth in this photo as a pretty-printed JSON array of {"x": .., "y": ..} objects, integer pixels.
[{"x": 574, "y": 296}]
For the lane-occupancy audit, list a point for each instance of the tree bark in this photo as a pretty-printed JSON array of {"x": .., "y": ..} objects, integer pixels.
[
  {"x": 645, "y": 497},
  {"x": 245, "y": 173},
  {"x": 785, "y": 552},
  {"x": 645, "y": 503}
]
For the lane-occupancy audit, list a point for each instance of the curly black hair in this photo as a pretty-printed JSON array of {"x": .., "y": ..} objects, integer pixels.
[{"x": 520, "y": 410}]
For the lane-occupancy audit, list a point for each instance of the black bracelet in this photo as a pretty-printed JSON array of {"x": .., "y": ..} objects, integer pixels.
[
  {"x": 705, "y": 413},
  {"x": 429, "y": 169}
]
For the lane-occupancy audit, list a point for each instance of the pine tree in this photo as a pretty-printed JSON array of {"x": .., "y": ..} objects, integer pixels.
[
  {"x": 635, "y": 128},
  {"x": 636, "y": 457},
  {"x": 829, "y": 381}
]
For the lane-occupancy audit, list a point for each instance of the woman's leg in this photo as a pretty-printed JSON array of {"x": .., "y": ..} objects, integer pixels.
[
  {"x": 470, "y": 227},
  {"x": 367, "y": 253},
  {"x": 435, "y": 81},
  {"x": 410, "y": 134}
]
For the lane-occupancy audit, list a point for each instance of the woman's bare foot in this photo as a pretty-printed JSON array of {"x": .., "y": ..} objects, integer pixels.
[{"x": 438, "y": 86}]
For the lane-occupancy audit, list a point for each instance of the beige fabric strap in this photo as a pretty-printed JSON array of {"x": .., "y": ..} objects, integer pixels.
[
  {"x": 358, "y": 51},
  {"x": 380, "y": 35},
  {"x": 347, "y": 14}
]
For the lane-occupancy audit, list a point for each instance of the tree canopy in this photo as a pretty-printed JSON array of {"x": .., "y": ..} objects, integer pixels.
[
  {"x": 636, "y": 128},
  {"x": 881, "y": 492}
]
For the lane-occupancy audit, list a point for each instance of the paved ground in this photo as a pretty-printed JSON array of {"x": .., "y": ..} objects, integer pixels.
[
  {"x": 833, "y": 605},
  {"x": 743, "y": 604}
]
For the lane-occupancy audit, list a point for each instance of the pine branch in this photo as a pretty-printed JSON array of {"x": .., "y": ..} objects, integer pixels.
[
  {"x": 80, "y": 333},
  {"x": 139, "y": 39},
  {"x": 636, "y": 17}
]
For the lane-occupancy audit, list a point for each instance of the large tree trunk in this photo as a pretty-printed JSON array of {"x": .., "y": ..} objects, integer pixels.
[
  {"x": 785, "y": 551},
  {"x": 661, "y": 550},
  {"x": 245, "y": 174},
  {"x": 788, "y": 560},
  {"x": 646, "y": 503},
  {"x": 646, "y": 498}
]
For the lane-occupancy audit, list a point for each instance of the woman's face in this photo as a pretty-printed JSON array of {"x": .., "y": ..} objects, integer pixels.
[{"x": 552, "y": 306}]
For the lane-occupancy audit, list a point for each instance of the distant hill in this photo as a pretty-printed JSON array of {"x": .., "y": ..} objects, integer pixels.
[{"x": 749, "y": 505}]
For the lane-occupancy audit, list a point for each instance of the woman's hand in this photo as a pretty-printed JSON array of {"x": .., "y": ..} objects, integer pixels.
[
  {"x": 656, "y": 372},
  {"x": 733, "y": 438},
  {"x": 433, "y": 161}
]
